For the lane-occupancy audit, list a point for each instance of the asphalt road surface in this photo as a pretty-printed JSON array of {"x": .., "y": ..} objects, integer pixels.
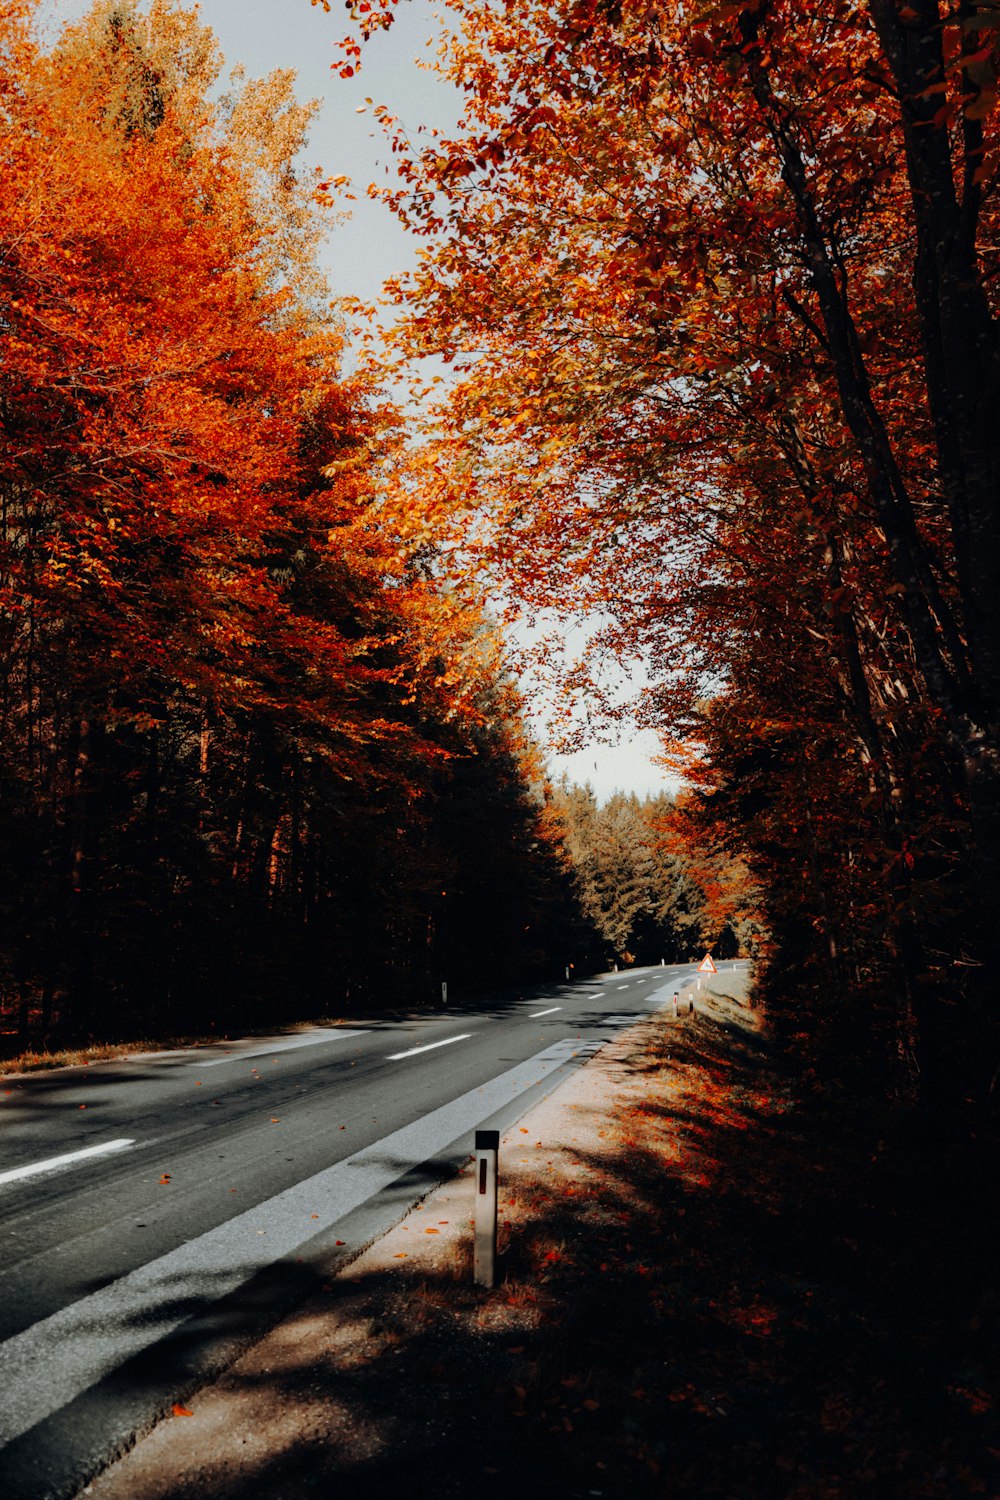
[{"x": 156, "y": 1215}]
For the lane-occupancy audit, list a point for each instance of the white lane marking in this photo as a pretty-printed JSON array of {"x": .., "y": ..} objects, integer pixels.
[
  {"x": 536, "y": 1013},
  {"x": 395, "y": 1056},
  {"x": 55, "y": 1360},
  {"x": 69, "y": 1159},
  {"x": 621, "y": 986},
  {"x": 307, "y": 1039}
]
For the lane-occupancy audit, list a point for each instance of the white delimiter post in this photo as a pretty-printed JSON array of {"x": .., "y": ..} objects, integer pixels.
[{"x": 485, "y": 1244}]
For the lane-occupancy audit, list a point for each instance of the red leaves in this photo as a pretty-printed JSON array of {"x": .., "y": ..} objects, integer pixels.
[{"x": 181, "y": 1411}]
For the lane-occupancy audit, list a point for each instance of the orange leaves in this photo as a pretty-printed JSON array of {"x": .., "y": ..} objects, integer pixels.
[{"x": 181, "y": 1411}]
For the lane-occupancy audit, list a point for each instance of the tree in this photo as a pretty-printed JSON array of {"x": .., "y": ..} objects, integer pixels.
[
  {"x": 233, "y": 695},
  {"x": 718, "y": 286},
  {"x": 636, "y": 879}
]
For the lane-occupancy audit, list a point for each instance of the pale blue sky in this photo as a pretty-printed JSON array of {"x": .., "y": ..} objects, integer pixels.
[{"x": 361, "y": 253}]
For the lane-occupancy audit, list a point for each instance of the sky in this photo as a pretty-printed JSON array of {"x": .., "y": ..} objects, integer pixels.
[{"x": 369, "y": 247}]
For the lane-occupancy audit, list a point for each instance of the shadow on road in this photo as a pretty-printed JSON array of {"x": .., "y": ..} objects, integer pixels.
[{"x": 736, "y": 1293}]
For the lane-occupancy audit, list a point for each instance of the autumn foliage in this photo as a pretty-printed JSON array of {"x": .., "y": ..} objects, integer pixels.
[
  {"x": 718, "y": 287},
  {"x": 251, "y": 750}
]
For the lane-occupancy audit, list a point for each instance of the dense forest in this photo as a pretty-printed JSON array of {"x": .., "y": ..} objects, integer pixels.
[
  {"x": 259, "y": 758},
  {"x": 718, "y": 285},
  {"x": 716, "y": 291}
]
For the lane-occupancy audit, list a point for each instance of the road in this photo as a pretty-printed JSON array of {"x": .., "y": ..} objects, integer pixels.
[{"x": 158, "y": 1214}]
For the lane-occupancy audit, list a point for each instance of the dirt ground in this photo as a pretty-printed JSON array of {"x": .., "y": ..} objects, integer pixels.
[{"x": 709, "y": 1288}]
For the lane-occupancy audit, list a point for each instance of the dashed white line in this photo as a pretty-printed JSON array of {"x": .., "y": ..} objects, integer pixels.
[
  {"x": 621, "y": 986},
  {"x": 70, "y": 1158},
  {"x": 57, "y": 1359},
  {"x": 395, "y": 1056},
  {"x": 536, "y": 1013}
]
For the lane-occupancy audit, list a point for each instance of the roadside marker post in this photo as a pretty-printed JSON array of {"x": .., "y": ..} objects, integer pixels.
[
  {"x": 485, "y": 1242},
  {"x": 444, "y": 992},
  {"x": 676, "y": 997}
]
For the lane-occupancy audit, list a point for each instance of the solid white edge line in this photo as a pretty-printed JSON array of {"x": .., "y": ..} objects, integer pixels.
[
  {"x": 395, "y": 1056},
  {"x": 289, "y": 1044},
  {"x": 14, "y": 1173},
  {"x": 53, "y": 1361},
  {"x": 536, "y": 1013}
]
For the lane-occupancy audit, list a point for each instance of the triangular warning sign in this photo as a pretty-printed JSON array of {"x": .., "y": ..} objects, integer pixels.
[{"x": 706, "y": 966}]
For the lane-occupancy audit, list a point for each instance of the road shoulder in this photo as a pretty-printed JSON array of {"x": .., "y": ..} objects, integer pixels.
[
  {"x": 315, "y": 1385},
  {"x": 714, "y": 1284}
]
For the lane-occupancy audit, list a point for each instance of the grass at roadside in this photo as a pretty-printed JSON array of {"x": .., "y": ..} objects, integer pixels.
[
  {"x": 730, "y": 984},
  {"x": 737, "y": 1294},
  {"x": 713, "y": 1288},
  {"x": 42, "y": 1061}
]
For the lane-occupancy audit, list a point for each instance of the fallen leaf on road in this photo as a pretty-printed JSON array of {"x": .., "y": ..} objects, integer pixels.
[
  {"x": 275, "y": 1119},
  {"x": 400, "y": 1255},
  {"x": 165, "y": 1178},
  {"x": 182, "y": 1411},
  {"x": 432, "y": 1231}
]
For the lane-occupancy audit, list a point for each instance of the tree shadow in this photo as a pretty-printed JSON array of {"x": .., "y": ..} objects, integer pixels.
[{"x": 735, "y": 1296}]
